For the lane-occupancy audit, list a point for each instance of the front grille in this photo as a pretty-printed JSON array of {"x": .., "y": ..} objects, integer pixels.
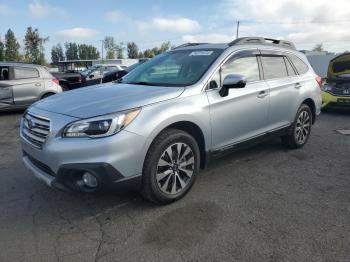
[
  {"x": 35, "y": 129},
  {"x": 341, "y": 91}
]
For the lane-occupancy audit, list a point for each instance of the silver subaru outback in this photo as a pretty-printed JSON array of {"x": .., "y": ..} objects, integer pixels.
[{"x": 169, "y": 117}]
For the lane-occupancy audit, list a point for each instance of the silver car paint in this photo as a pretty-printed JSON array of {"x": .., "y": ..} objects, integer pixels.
[
  {"x": 223, "y": 121},
  {"x": 24, "y": 92}
]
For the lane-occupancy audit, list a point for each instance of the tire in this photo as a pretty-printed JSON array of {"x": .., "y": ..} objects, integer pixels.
[
  {"x": 64, "y": 88},
  {"x": 47, "y": 95},
  {"x": 159, "y": 172},
  {"x": 300, "y": 130}
]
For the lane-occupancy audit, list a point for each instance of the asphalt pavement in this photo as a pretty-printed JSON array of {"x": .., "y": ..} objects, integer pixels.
[{"x": 264, "y": 203}]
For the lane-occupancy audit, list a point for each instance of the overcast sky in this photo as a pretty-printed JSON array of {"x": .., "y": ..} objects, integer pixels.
[{"x": 148, "y": 23}]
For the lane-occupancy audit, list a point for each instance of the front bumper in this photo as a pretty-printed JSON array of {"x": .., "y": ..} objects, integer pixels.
[
  {"x": 329, "y": 99},
  {"x": 69, "y": 177},
  {"x": 61, "y": 162}
]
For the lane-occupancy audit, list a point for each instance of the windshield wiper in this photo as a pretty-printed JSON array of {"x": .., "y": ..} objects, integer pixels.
[{"x": 143, "y": 83}]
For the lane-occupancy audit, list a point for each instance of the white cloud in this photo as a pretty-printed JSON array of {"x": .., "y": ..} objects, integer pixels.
[
  {"x": 177, "y": 25},
  {"x": 295, "y": 20},
  {"x": 76, "y": 33},
  {"x": 4, "y": 9},
  {"x": 207, "y": 38},
  {"x": 115, "y": 16},
  {"x": 39, "y": 9}
]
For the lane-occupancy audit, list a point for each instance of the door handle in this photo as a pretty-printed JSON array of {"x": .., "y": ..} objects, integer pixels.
[
  {"x": 37, "y": 84},
  {"x": 262, "y": 94},
  {"x": 297, "y": 86}
]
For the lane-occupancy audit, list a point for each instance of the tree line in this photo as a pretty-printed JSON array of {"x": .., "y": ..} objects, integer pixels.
[
  {"x": 33, "y": 46},
  {"x": 32, "y": 50}
]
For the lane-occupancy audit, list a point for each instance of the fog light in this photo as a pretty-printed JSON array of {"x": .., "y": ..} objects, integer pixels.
[{"x": 89, "y": 180}]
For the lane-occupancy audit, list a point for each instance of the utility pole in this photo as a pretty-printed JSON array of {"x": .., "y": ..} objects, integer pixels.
[
  {"x": 102, "y": 51},
  {"x": 237, "y": 32}
]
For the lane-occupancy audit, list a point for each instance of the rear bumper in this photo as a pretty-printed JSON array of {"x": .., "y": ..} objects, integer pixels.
[{"x": 329, "y": 99}]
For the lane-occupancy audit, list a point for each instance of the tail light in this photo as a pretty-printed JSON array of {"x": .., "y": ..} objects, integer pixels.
[
  {"x": 56, "y": 81},
  {"x": 79, "y": 79},
  {"x": 319, "y": 81}
]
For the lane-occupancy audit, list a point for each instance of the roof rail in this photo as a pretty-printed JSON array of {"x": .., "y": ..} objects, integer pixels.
[
  {"x": 263, "y": 41},
  {"x": 188, "y": 44}
]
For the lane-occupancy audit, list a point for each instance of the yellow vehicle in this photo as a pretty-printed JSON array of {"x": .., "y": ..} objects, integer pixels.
[{"x": 336, "y": 92}]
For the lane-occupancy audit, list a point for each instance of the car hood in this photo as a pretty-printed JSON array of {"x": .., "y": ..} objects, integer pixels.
[{"x": 104, "y": 99}]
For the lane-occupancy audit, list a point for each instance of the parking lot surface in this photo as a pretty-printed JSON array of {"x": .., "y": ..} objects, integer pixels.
[{"x": 261, "y": 204}]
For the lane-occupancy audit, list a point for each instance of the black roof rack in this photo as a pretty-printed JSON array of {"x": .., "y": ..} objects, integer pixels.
[
  {"x": 263, "y": 41},
  {"x": 188, "y": 44}
]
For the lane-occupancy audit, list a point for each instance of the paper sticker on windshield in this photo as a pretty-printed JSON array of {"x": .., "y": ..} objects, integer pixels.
[{"x": 198, "y": 53}]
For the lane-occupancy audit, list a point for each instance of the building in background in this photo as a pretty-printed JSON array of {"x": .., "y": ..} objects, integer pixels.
[
  {"x": 83, "y": 64},
  {"x": 319, "y": 61}
]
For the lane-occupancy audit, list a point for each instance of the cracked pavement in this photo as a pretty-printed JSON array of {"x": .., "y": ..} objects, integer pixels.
[{"x": 261, "y": 204}]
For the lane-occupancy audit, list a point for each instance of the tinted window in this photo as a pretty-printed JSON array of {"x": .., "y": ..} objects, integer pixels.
[
  {"x": 246, "y": 66},
  {"x": 299, "y": 64},
  {"x": 290, "y": 69},
  {"x": 274, "y": 67},
  {"x": 341, "y": 66},
  {"x": 25, "y": 72},
  {"x": 4, "y": 73}
]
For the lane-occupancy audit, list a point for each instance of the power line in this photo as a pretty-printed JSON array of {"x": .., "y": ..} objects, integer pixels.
[{"x": 295, "y": 22}]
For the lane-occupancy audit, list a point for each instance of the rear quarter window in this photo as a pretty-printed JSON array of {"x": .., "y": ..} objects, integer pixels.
[
  {"x": 25, "y": 72},
  {"x": 299, "y": 64}
]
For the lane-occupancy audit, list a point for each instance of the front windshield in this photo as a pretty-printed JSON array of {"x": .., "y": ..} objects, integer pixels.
[{"x": 174, "y": 68}]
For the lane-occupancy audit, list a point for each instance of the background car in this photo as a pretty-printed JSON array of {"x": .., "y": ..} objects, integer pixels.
[
  {"x": 336, "y": 92},
  {"x": 118, "y": 74},
  {"x": 23, "y": 84},
  {"x": 94, "y": 74}
]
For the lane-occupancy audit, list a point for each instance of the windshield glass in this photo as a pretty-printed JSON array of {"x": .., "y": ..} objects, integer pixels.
[{"x": 174, "y": 68}]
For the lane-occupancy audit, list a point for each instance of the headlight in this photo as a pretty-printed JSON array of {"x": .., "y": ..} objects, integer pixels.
[
  {"x": 101, "y": 126},
  {"x": 326, "y": 88}
]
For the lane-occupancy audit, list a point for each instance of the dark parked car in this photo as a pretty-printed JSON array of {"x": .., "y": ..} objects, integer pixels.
[
  {"x": 68, "y": 80},
  {"x": 118, "y": 74}
]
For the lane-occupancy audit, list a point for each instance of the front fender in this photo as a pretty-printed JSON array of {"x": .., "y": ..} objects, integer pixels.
[{"x": 154, "y": 118}]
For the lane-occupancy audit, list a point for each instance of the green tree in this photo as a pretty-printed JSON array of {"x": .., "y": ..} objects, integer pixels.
[
  {"x": 87, "y": 52},
  {"x": 71, "y": 51},
  {"x": 149, "y": 53},
  {"x": 34, "y": 46},
  {"x": 57, "y": 54},
  {"x": 120, "y": 50},
  {"x": 132, "y": 50},
  {"x": 2, "y": 51},
  {"x": 165, "y": 47},
  {"x": 110, "y": 47},
  {"x": 141, "y": 55},
  {"x": 11, "y": 47},
  {"x": 318, "y": 48}
]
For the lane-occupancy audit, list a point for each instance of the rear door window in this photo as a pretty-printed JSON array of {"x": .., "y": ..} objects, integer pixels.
[
  {"x": 274, "y": 67},
  {"x": 299, "y": 64},
  {"x": 25, "y": 73}
]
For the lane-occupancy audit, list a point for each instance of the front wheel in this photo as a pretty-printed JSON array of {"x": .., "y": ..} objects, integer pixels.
[
  {"x": 170, "y": 167},
  {"x": 300, "y": 130}
]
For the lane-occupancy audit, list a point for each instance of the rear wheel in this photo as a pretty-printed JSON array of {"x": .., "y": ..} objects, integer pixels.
[
  {"x": 300, "y": 130},
  {"x": 171, "y": 166}
]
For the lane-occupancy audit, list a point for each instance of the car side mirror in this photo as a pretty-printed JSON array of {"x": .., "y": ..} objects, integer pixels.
[
  {"x": 232, "y": 81},
  {"x": 91, "y": 76}
]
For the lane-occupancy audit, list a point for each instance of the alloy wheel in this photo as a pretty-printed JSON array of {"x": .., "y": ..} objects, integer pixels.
[
  {"x": 303, "y": 127},
  {"x": 175, "y": 168}
]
